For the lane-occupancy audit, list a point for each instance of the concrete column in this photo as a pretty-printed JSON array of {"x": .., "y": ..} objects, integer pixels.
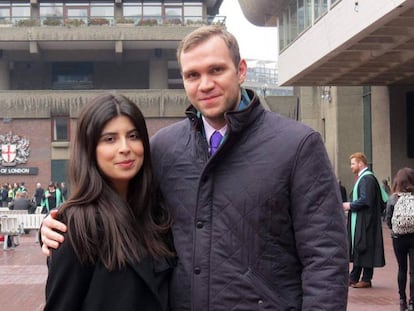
[
  {"x": 34, "y": 9},
  {"x": 381, "y": 134},
  {"x": 4, "y": 75},
  {"x": 118, "y": 10},
  {"x": 158, "y": 72}
]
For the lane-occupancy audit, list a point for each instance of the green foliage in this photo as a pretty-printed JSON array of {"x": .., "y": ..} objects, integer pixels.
[
  {"x": 52, "y": 21},
  {"x": 28, "y": 23},
  {"x": 98, "y": 21}
]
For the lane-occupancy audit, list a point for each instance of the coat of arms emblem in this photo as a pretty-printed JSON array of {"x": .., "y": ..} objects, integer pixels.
[{"x": 14, "y": 149}]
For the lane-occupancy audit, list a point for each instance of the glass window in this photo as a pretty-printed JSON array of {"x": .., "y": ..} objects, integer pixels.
[
  {"x": 281, "y": 27},
  {"x": 301, "y": 16},
  {"x": 308, "y": 13},
  {"x": 60, "y": 128},
  {"x": 102, "y": 10},
  {"x": 21, "y": 11},
  {"x": 293, "y": 22},
  {"x": 51, "y": 9},
  {"x": 133, "y": 9},
  {"x": 152, "y": 10},
  {"x": 72, "y": 75},
  {"x": 193, "y": 12},
  {"x": 4, "y": 12},
  {"x": 173, "y": 14},
  {"x": 321, "y": 7}
]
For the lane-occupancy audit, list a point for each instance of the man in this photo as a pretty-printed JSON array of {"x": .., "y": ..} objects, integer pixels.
[
  {"x": 64, "y": 191},
  {"x": 4, "y": 193},
  {"x": 342, "y": 188},
  {"x": 258, "y": 224},
  {"x": 364, "y": 224},
  {"x": 39, "y": 194}
]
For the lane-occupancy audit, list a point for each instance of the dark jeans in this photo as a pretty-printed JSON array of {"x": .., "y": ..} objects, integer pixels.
[
  {"x": 356, "y": 273},
  {"x": 404, "y": 252}
]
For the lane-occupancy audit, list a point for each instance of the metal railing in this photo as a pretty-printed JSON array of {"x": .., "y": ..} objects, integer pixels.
[{"x": 84, "y": 21}]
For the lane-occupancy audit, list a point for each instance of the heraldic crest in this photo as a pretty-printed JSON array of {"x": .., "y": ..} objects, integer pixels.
[{"x": 14, "y": 149}]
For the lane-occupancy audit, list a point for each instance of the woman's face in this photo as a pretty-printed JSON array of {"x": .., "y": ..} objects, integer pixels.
[{"x": 120, "y": 152}]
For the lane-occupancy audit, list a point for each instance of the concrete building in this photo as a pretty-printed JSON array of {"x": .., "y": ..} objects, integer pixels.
[
  {"x": 352, "y": 66},
  {"x": 55, "y": 55},
  {"x": 262, "y": 76}
]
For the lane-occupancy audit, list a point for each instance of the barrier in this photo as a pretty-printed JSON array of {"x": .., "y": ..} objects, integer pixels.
[
  {"x": 6, "y": 211},
  {"x": 30, "y": 222},
  {"x": 9, "y": 226}
]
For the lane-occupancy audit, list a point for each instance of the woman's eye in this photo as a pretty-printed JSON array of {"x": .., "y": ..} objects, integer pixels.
[
  {"x": 108, "y": 139},
  {"x": 134, "y": 136}
]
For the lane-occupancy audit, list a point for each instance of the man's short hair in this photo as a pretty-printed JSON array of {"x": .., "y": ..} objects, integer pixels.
[
  {"x": 359, "y": 156},
  {"x": 204, "y": 33}
]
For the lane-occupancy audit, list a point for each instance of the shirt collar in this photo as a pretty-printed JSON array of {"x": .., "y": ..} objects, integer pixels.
[
  {"x": 209, "y": 130},
  {"x": 361, "y": 171}
]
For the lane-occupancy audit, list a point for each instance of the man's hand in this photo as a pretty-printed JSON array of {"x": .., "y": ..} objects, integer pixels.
[
  {"x": 51, "y": 238},
  {"x": 346, "y": 206}
]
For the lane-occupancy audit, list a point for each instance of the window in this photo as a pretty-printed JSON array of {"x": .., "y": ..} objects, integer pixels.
[
  {"x": 132, "y": 9},
  {"x": 72, "y": 76},
  {"x": 173, "y": 14},
  {"x": 193, "y": 12},
  {"x": 20, "y": 11},
  {"x": 102, "y": 9},
  {"x": 152, "y": 11},
  {"x": 60, "y": 128},
  {"x": 51, "y": 9}
]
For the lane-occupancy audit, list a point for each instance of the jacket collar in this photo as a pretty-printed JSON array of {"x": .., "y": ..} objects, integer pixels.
[{"x": 236, "y": 120}]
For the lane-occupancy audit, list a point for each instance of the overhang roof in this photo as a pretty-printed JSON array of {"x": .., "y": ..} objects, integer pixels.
[{"x": 382, "y": 54}]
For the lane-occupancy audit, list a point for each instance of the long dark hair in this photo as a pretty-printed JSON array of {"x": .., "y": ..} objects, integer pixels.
[
  {"x": 403, "y": 181},
  {"x": 103, "y": 226}
]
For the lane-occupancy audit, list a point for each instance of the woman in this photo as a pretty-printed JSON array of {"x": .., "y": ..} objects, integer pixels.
[
  {"x": 52, "y": 198},
  {"x": 114, "y": 256},
  {"x": 403, "y": 244}
]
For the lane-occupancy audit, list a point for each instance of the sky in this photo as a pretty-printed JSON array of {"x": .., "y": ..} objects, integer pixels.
[{"x": 254, "y": 42}]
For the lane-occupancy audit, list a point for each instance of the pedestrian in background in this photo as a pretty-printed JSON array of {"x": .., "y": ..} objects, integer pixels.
[
  {"x": 366, "y": 243},
  {"x": 342, "y": 188},
  {"x": 52, "y": 198},
  {"x": 403, "y": 244},
  {"x": 4, "y": 195},
  {"x": 39, "y": 194},
  {"x": 22, "y": 202}
]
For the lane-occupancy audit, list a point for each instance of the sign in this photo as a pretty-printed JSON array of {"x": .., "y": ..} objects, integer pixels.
[
  {"x": 14, "y": 149},
  {"x": 19, "y": 171}
]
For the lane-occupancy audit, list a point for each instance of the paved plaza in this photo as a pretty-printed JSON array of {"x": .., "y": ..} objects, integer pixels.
[{"x": 23, "y": 274}]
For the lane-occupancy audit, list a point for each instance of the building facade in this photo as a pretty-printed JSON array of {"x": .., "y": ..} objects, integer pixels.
[
  {"x": 55, "y": 55},
  {"x": 352, "y": 68}
]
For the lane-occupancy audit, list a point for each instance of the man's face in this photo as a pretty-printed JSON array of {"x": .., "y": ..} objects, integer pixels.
[
  {"x": 355, "y": 166},
  {"x": 211, "y": 80}
]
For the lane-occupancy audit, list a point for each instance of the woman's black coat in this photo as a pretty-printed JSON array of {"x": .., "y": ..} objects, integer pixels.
[{"x": 72, "y": 286}]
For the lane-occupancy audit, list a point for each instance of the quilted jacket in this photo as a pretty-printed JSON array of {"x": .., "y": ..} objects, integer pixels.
[{"x": 258, "y": 226}]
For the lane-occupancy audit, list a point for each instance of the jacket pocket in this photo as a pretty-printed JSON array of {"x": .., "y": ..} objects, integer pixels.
[{"x": 270, "y": 299}]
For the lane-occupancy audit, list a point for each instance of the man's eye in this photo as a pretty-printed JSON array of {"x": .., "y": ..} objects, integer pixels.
[
  {"x": 217, "y": 70},
  {"x": 191, "y": 76}
]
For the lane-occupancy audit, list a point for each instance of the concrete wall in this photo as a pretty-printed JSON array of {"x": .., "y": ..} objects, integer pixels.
[{"x": 398, "y": 128}]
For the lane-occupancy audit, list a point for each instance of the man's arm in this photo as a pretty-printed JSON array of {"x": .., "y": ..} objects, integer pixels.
[
  {"x": 317, "y": 212},
  {"x": 49, "y": 237}
]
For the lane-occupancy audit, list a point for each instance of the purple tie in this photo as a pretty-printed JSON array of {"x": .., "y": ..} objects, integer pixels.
[{"x": 215, "y": 140}]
